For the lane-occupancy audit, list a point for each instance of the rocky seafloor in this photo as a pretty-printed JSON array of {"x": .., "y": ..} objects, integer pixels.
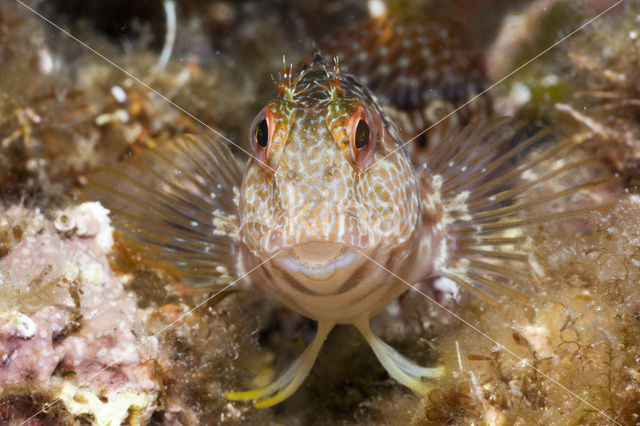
[{"x": 89, "y": 335}]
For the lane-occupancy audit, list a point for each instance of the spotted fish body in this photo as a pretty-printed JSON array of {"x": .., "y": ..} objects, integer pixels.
[
  {"x": 318, "y": 208},
  {"x": 331, "y": 218}
]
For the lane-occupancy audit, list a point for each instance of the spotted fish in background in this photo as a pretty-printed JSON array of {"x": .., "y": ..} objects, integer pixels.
[
  {"x": 421, "y": 69},
  {"x": 332, "y": 219}
]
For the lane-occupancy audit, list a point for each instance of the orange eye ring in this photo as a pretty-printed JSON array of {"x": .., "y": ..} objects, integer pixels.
[
  {"x": 361, "y": 132},
  {"x": 261, "y": 135}
]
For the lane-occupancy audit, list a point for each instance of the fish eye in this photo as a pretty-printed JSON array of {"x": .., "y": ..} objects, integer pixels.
[
  {"x": 361, "y": 130},
  {"x": 362, "y": 134},
  {"x": 262, "y": 133}
]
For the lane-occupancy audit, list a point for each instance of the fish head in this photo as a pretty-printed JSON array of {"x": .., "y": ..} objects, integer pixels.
[{"x": 328, "y": 178}]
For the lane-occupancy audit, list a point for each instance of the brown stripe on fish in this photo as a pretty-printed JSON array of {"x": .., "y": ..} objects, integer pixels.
[{"x": 366, "y": 291}]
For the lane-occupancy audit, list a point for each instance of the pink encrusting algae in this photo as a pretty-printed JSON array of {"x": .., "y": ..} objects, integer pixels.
[{"x": 331, "y": 218}]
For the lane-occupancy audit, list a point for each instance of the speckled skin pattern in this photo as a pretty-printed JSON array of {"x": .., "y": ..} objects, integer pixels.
[
  {"x": 313, "y": 186},
  {"x": 422, "y": 70},
  {"x": 427, "y": 60}
]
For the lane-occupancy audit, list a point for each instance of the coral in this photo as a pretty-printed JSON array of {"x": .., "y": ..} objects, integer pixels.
[
  {"x": 72, "y": 335},
  {"x": 68, "y": 328},
  {"x": 129, "y": 406}
]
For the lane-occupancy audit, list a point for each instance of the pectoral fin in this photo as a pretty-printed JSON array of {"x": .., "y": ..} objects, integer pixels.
[{"x": 176, "y": 207}]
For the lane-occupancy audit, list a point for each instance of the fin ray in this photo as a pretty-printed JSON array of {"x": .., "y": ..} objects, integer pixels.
[
  {"x": 469, "y": 171},
  {"x": 483, "y": 229},
  {"x": 175, "y": 206},
  {"x": 498, "y": 179},
  {"x": 503, "y": 211},
  {"x": 166, "y": 211},
  {"x": 490, "y": 185},
  {"x": 486, "y": 169},
  {"x": 156, "y": 200},
  {"x": 511, "y": 193}
]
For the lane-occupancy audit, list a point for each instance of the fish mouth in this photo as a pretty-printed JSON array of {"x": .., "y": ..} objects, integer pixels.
[
  {"x": 319, "y": 261},
  {"x": 317, "y": 254}
]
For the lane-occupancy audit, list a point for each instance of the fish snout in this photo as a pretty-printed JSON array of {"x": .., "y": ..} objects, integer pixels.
[{"x": 322, "y": 224}]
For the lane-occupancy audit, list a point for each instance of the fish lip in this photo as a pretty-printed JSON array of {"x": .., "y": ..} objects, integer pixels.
[
  {"x": 344, "y": 257},
  {"x": 304, "y": 253},
  {"x": 275, "y": 246}
]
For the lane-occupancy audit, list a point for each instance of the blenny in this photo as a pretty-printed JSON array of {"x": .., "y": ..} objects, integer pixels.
[{"x": 331, "y": 217}]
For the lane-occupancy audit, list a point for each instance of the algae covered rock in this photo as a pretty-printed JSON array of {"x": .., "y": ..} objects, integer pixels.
[{"x": 68, "y": 327}]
